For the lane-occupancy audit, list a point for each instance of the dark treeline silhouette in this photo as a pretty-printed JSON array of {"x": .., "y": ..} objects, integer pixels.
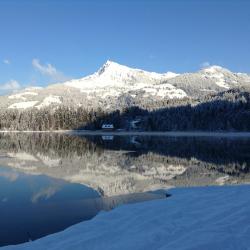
[
  {"x": 226, "y": 111},
  {"x": 220, "y": 150},
  {"x": 50, "y": 144}
]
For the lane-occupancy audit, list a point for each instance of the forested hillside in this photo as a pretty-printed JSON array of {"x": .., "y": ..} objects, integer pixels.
[{"x": 228, "y": 110}]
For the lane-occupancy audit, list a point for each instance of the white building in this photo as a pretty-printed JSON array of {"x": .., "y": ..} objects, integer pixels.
[{"x": 108, "y": 126}]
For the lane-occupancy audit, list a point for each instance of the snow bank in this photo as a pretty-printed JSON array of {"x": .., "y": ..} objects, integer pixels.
[{"x": 192, "y": 218}]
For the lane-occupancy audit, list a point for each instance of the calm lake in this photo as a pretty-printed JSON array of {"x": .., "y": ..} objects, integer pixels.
[{"x": 50, "y": 181}]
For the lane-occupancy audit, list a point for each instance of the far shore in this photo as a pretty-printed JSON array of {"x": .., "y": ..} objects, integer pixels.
[{"x": 141, "y": 133}]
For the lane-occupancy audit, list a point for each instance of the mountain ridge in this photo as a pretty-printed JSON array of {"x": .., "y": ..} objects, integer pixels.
[{"x": 114, "y": 83}]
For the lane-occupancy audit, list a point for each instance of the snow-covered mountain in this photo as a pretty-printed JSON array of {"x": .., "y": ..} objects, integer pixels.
[{"x": 115, "y": 85}]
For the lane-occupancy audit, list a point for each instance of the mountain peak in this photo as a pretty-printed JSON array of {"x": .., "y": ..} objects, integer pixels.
[
  {"x": 214, "y": 69},
  {"x": 110, "y": 66},
  {"x": 109, "y": 62}
]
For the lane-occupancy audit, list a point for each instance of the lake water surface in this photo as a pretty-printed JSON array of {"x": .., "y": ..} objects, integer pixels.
[{"x": 50, "y": 181}]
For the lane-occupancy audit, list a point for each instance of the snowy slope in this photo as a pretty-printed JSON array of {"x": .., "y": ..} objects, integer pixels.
[
  {"x": 112, "y": 74},
  {"x": 115, "y": 85},
  {"x": 193, "y": 218}
]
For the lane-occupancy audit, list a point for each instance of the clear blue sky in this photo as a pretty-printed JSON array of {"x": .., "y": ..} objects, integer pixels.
[{"x": 77, "y": 37}]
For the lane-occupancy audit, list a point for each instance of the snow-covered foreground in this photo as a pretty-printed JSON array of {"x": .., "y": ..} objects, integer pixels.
[{"x": 192, "y": 218}]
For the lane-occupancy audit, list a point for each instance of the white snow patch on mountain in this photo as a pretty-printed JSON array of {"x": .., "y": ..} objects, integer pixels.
[
  {"x": 221, "y": 83},
  {"x": 213, "y": 69},
  {"x": 111, "y": 92},
  {"x": 23, "y": 105},
  {"x": 170, "y": 75},
  {"x": 169, "y": 90},
  {"x": 207, "y": 90},
  {"x": 49, "y": 100},
  {"x": 216, "y": 72}
]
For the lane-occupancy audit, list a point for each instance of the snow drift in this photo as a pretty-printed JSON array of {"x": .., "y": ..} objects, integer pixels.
[{"x": 192, "y": 218}]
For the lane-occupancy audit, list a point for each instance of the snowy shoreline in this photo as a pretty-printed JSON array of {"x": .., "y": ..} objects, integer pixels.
[
  {"x": 192, "y": 218},
  {"x": 139, "y": 133}
]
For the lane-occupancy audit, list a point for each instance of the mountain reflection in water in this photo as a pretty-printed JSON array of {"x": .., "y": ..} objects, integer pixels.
[
  {"x": 129, "y": 164},
  {"x": 32, "y": 206}
]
